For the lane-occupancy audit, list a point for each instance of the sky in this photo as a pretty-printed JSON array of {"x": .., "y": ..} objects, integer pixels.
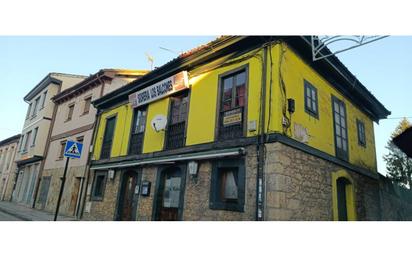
[{"x": 383, "y": 67}]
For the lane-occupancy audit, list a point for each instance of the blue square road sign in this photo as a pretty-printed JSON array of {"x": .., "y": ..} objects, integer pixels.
[{"x": 73, "y": 149}]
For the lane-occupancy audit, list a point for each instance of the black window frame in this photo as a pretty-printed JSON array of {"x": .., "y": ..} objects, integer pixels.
[
  {"x": 220, "y": 133},
  {"x": 93, "y": 196},
  {"x": 114, "y": 117},
  {"x": 130, "y": 150},
  {"x": 340, "y": 152},
  {"x": 360, "y": 125},
  {"x": 311, "y": 88},
  {"x": 215, "y": 202},
  {"x": 175, "y": 129}
]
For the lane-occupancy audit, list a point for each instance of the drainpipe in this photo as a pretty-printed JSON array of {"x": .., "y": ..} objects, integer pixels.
[
  {"x": 83, "y": 193},
  {"x": 261, "y": 143},
  {"x": 46, "y": 150}
]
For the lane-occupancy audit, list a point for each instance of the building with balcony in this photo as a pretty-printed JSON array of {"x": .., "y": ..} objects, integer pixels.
[
  {"x": 75, "y": 120},
  {"x": 36, "y": 132},
  {"x": 242, "y": 128}
]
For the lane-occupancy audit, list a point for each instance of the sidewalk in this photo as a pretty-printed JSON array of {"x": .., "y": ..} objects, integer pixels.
[{"x": 28, "y": 214}]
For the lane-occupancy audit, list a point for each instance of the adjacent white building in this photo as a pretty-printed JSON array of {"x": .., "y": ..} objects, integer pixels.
[{"x": 36, "y": 131}]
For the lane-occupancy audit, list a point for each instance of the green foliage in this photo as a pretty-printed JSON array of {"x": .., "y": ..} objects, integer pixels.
[{"x": 398, "y": 164}]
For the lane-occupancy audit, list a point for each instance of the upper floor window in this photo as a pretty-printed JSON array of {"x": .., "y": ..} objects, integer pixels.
[
  {"x": 311, "y": 99},
  {"x": 87, "y": 103},
  {"x": 232, "y": 104},
  {"x": 9, "y": 159},
  {"x": 361, "y": 133},
  {"x": 62, "y": 146},
  {"x": 138, "y": 128},
  {"x": 80, "y": 139},
  {"x": 340, "y": 128},
  {"x": 36, "y": 106},
  {"x": 34, "y": 136},
  {"x": 21, "y": 142},
  {"x": 108, "y": 138},
  {"x": 43, "y": 99},
  {"x": 175, "y": 133},
  {"x": 26, "y": 143},
  {"x": 70, "y": 112},
  {"x": 28, "y": 111}
]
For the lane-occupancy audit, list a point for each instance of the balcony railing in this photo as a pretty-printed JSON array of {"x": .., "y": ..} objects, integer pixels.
[
  {"x": 176, "y": 135},
  {"x": 106, "y": 149},
  {"x": 136, "y": 143},
  {"x": 231, "y": 124}
]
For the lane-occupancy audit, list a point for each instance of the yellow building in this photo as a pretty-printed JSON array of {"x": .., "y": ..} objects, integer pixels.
[{"x": 242, "y": 128}]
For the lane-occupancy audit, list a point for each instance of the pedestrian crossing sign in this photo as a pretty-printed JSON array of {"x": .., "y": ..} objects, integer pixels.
[{"x": 73, "y": 149}]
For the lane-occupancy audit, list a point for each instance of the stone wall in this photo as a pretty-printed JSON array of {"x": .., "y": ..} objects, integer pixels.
[
  {"x": 299, "y": 187},
  {"x": 145, "y": 203},
  {"x": 54, "y": 188},
  {"x": 396, "y": 202},
  {"x": 196, "y": 199},
  {"x": 105, "y": 209}
]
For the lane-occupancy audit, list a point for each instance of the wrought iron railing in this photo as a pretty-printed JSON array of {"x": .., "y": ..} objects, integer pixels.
[
  {"x": 136, "y": 143},
  {"x": 176, "y": 135}
]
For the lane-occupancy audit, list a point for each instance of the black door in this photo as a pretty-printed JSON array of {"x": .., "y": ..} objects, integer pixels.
[{"x": 129, "y": 194}]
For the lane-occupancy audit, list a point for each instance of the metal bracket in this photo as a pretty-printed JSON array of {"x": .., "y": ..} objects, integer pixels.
[{"x": 321, "y": 42}]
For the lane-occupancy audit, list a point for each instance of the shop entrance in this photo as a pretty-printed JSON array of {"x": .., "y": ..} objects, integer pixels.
[
  {"x": 170, "y": 194},
  {"x": 129, "y": 194}
]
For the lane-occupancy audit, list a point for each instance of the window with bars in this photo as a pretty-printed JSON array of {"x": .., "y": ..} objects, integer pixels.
[
  {"x": 108, "y": 138},
  {"x": 361, "y": 133},
  {"x": 175, "y": 133},
  {"x": 232, "y": 105},
  {"x": 311, "y": 99},
  {"x": 340, "y": 128},
  {"x": 138, "y": 129}
]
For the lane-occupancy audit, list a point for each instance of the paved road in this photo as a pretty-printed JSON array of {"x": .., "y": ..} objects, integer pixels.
[{"x": 7, "y": 217}]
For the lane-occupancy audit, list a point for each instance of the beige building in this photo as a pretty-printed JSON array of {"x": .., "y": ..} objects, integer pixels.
[
  {"x": 36, "y": 131},
  {"x": 75, "y": 120},
  {"x": 8, "y": 148}
]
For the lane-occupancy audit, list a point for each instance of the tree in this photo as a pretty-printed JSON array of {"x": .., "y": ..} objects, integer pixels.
[{"x": 398, "y": 164}]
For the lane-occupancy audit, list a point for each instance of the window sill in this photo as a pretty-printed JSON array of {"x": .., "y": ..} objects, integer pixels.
[
  {"x": 236, "y": 207},
  {"x": 314, "y": 115},
  {"x": 67, "y": 120},
  {"x": 83, "y": 114},
  {"x": 96, "y": 199}
]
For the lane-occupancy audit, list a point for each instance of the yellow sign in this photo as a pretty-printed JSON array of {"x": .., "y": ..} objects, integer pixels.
[{"x": 232, "y": 119}]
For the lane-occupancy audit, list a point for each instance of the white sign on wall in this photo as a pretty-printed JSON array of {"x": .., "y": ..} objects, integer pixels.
[{"x": 160, "y": 90}]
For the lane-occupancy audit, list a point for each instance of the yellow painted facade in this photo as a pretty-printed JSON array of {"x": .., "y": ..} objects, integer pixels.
[{"x": 282, "y": 63}]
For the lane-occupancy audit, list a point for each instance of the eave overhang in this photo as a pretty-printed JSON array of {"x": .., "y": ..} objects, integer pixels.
[{"x": 331, "y": 68}]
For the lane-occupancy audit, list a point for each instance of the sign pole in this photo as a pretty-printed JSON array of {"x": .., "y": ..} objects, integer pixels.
[{"x": 61, "y": 189}]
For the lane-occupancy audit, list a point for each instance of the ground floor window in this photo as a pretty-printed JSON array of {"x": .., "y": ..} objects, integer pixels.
[
  {"x": 343, "y": 196},
  {"x": 227, "y": 190},
  {"x": 99, "y": 184}
]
